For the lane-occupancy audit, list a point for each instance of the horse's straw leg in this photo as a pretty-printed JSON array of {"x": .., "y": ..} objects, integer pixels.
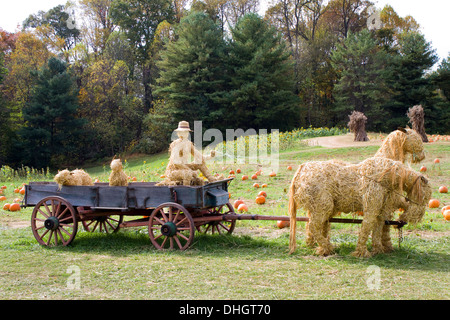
[
  {"x": 366, "y": 228},
  {"x": 317, "y": 224}
]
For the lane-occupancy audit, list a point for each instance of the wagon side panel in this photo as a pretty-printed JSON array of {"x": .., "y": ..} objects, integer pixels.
[{"x": 76, "y": 195}]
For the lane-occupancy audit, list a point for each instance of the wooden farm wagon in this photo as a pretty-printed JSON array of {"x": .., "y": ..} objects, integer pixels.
[{"x": 172, "y": 214}]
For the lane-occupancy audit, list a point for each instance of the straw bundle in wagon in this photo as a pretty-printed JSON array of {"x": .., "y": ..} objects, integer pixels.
[
  {"x": 76, "y": 177},
  {"x": 117, "y": 177},
  {"x": 416, "y": 116},
  {"x": 357, "y": 125},
  {"x": 374, "y": 186}
]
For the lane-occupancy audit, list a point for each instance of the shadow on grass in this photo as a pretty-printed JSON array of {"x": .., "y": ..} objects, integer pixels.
[{"x": 413, "y": 254}]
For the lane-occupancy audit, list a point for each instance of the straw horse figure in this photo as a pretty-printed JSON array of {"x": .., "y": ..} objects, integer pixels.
[
  {"x": 325, "y": 188},
  {"x": 401, "y": 143}
]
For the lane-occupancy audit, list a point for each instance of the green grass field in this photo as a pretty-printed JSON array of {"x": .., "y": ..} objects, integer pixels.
[{"x": 250, "y": 264}]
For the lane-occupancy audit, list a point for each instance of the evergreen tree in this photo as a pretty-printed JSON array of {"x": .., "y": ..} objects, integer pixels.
[
  {"x": 52, "y": 131},
  {"x": 361, "y": 67},
  {"x": 442, "y": 77},
  {"x": 440, "y": 117},
  {"x": 409, "y": 81},
  {"x": 192, "y": 76},
  {"x": 261, "y": 78}
]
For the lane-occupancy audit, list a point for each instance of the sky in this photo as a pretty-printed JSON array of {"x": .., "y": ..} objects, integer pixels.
[{"x": 432, "y": 15}]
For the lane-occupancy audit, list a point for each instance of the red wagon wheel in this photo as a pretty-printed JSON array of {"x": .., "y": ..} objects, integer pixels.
[
  {"x": 54, "y": 222},
  {"x": 107, "y": 224},
  {"x": 221, "y": 227},
  {"x": 171, "y": 226}
]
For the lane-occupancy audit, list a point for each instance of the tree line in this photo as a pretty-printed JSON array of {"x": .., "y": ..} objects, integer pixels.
[{"x": 96, "y": 78}]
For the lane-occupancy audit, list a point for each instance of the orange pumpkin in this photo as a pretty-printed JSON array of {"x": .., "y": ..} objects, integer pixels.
[
  {"x": 359, "y": 213},
  {"x": 282, "y": 224},
  {"x": 255, "y": 176},
  {"x": 256, "y": 185},
  {"x": 2, "y": 198},
  {"x": 237, "y": 203},
  {"x": 231, "y": 172},
  {"x": 447, "y": 215},
  {"x": 14, "y": 207},
  {"x": 260, "y": 200},
  {"x": 443, "y": 189},
  {"x": 262, "y": 193},
  {"x": 434, "y": 203},
  {"x": 6, "y": 206},
  {"x": 423, "y": 169},
  {"x": 445, "y": 209},
  {"x": 264, "y": 185},
  {"x": 289, "y": 168},
  {"x": 22, "y": 191},
  {"x": 272, "y": 174},
  {"x": 242, "y": 208},
  {"x": 244, "y": 177},
  {"x": 238, "y": 170},
  {"x": 437, "y": 160}
]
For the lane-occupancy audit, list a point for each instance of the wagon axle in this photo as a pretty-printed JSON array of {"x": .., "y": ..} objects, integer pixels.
[
  {"x": 169, "y": 229},
  {"x": 51, "y": 223}
]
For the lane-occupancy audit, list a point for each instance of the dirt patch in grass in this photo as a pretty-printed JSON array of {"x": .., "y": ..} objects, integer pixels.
[
  {"x": 342, "y": 141},
  {"x": 17, "y": 224}
]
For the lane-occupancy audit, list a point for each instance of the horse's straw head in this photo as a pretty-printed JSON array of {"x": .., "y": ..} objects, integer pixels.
[
  {"x": 414, "y": 145},
  {"x": 419, "y": 195}
]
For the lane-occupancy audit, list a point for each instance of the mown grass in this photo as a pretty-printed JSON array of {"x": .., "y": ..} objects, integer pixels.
[{"x": 250, "y": 264}]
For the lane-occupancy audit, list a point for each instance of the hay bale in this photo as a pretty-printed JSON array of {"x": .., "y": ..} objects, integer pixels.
[
  {"x": 416, "y": 116},
  {"x": 117, "y": 176},
  {"x": 401, "y": 144},
  {"x": 357, "y": 125},
  {"x": 76, "y": 177},
  {"x": 326, "y": 188}
]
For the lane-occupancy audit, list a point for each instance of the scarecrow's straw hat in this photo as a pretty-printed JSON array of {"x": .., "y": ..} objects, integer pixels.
[{"x": 183, "y": 126}]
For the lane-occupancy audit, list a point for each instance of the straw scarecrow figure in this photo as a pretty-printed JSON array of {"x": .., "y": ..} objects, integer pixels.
[
  {"x": 357, "y": 125},
  {"x": 375, "y": 186},
  {"x": 185, "y": 160},
  {"x": 416, "y": 116}
]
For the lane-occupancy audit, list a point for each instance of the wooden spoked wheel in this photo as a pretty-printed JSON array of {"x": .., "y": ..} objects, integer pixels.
[
  {"x": 107, "y": 224},
  {"x": 54, "y": 222},
  {"x": 220, "y": 227},
  {"x": 171, "y": 226}
]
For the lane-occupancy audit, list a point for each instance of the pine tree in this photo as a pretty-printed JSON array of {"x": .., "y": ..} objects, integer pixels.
[
  {"x": 408, "y": 79},
  {"x": 52, "y": 129},
  {"x": 261, "y": 78},
  {"x": 192, "y": 76},
  {"x": 361, "y": 66}
]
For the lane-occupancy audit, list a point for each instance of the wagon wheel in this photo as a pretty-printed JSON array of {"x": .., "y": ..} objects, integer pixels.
[
  {"x": 54, "y": 221},
  {"x": 171, "y": 226},
  {"x": 224, "y": 226},
  {"x": 108, "y": 224}
]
